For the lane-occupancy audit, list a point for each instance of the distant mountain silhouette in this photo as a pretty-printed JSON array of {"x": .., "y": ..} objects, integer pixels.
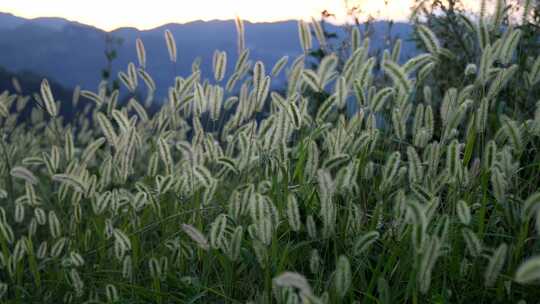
[
  {"x": 73, "y": 53},
  {"x": 8, "y": 21}
]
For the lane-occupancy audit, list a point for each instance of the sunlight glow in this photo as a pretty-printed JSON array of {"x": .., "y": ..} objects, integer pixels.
[{"x": 111, "y": 14}]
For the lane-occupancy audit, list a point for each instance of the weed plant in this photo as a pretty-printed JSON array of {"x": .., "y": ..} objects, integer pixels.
[{"x": 260, "y": 197}]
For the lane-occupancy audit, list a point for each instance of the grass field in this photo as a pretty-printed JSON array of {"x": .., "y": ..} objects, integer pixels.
[{"x": 422, "y": 195}]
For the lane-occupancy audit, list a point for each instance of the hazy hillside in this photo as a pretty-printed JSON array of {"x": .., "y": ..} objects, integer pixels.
[
  {"x": 9, "y": 21},
  {"x": 72, "y": 53},
  {"x": 30, "y": 83}
]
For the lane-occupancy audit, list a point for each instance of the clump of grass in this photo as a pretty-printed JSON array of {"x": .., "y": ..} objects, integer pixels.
[{"x": 255, "y": 197}]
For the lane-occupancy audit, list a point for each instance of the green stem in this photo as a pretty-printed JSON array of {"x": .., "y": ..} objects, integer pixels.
[
  {"x": 482, "y": 213},
  {"x": 9, "y": 181},
  {"x": 268, "y": 281}
]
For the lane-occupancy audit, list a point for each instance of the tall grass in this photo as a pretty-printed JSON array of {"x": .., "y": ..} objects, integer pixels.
[{"x": 414, "y": 198}]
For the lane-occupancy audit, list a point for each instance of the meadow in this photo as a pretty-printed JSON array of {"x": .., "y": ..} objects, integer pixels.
[{"x": 365, "y": 180}]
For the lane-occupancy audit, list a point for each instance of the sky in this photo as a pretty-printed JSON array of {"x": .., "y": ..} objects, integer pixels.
[{"x": 152, "y": 13}]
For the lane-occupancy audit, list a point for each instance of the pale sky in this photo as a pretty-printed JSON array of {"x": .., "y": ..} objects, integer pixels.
[{"x": 111, "y": 14}]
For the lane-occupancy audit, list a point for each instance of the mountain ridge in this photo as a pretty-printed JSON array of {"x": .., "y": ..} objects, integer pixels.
[{"x": 73, "y": 53}]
